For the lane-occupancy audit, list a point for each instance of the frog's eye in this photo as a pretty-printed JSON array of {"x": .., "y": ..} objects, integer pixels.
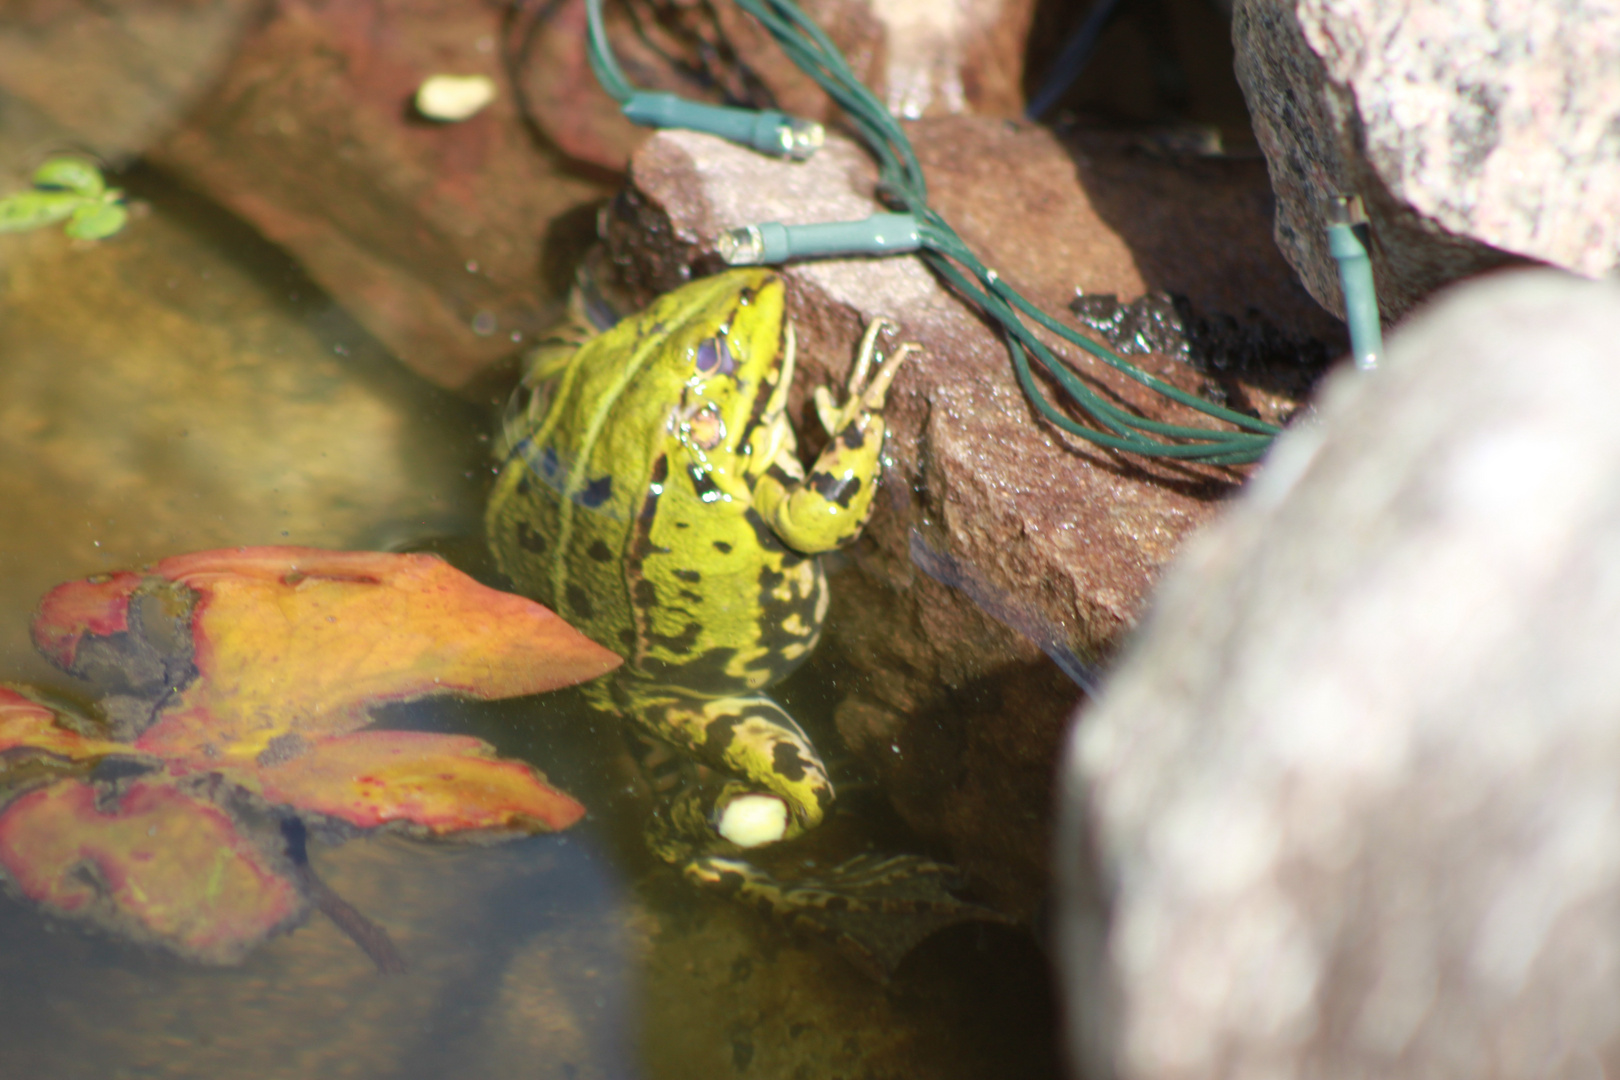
[{"x": 714, "y": 357}]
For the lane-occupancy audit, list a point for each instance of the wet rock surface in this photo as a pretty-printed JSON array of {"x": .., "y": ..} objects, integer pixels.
[
  {"x": 1351, "y": 790},
  {"x": 451, "y": 243},
  {"x": 1476, "y": 136},
  {"x": 959, "y": 717},
  {"x": 111, "y": 78}
]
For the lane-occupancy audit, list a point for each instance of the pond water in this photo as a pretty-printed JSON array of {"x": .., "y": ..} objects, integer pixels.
[{"x": 184, "y": 387}]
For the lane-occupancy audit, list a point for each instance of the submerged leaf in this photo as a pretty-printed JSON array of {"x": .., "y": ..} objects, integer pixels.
[
  {"x": 159, "y": 865},
  {"x": 246, "y": 673},
  {"x": 97, "y": 607},
  {"x": 438, "y": 783},
  {"x": 306, "y": 641},
  {"x": 28, "y": 727}
]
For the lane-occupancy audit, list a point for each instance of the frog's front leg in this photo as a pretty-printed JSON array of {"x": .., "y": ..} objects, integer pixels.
[
  {"x": 779, "y": 786},
  {"x": 829, "y": 508}
]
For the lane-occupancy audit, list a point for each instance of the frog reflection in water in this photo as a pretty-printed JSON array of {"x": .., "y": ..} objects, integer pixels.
[{"x": 652, "y": 495}]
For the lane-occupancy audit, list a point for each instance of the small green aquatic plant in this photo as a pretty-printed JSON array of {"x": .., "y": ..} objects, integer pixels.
[{"x": 66, "y": 189}]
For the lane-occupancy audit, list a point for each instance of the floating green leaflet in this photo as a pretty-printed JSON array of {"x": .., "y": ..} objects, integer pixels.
[{"x": 71, "y": 190}]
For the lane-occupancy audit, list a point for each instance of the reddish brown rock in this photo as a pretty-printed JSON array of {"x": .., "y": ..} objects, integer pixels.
[
  {"x": 921, "y": 57},
  {"x": 960, "y": 717},
  {"x": 437, "y": 237}
]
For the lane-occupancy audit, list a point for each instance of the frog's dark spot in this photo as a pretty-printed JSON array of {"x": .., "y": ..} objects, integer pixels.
[
  {"x": 780, "y": 475},
  {"x": 786, "y": 761},
  {"x": 762, "y": 531},
  {"x": 769, "y": 579},
  {"x": 703, "y": 484},
  {"x": 853, "y": 437},
  {"x": 579, "y": 601},
  {"x": 683, "y": 524},
  {"x": 832, "y": 489},
  {"x": 677, "y": 643},
  {"x": 691, "y": 597},
  {"x": 689, "y": 576},
  {"x": 529, "y": 540},
  {"x": 824, "y": 797},
  {"x": 596, "y": 493},
  {"x": 714, "y": 357},
  {"x": 645, "y": 594},
  {"x": 719, "y": 733},
  {"x": 745, "y": 297},
  {"x": 722, "y": 547},
  {"x": 704, "y": 673},
  {"x": 599, "y": 551},
  {"x": 628, "y": 637}
]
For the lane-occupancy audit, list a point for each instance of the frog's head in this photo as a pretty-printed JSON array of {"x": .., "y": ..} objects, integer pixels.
[{"x": 734, "y": 364}]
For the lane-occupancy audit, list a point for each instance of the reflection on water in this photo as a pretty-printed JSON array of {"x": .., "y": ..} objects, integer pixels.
[{"x": 183, "y": 387}]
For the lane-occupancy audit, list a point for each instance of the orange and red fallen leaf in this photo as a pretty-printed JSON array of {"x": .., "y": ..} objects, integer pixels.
[{"x": 282, "y": 652}]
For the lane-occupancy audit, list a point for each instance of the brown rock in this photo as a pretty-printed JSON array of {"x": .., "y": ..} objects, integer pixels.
[
  {"x": 437, "y": 237},
  {"x": 960, "y": 717},
  {"x": 921, "y": 57}
]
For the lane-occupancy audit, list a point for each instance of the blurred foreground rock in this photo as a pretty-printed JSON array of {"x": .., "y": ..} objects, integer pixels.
[
  {"x": 1476, "y": 134},
  {"x": 1353, "y": 788},
  {"x": 958, "y": 716}
]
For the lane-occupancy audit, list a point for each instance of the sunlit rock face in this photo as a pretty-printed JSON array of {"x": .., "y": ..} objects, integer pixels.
[
  {"x": 1348, "y": 806},
  {"x": 1476, "y": 134}
]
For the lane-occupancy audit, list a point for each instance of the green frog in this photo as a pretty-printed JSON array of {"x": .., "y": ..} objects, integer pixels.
[{"x": 652, "y": 495}]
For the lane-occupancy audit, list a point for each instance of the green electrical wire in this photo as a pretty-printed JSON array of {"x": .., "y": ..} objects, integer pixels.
[{"x": 901, "y": 182}]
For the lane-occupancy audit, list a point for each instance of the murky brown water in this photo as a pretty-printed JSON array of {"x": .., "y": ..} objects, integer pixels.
[{"x": 183, "y": 387}]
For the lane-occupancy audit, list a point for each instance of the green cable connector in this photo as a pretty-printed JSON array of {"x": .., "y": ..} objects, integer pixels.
[
  {"x": 1347, "y": 223},
  {"x": 771, "y": 242},
  {"x": 921, "y": 229},
  {"x": 766, "y": 130}
]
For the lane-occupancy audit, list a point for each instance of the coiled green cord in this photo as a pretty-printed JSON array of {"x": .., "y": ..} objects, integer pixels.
[{"x": 901, "y": 182}]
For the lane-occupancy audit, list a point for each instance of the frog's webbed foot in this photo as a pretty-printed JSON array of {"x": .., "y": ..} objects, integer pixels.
[
  {"x": 863, "y": 394},
  {"x": 875, "y": 908},
  {"x": 828, "y": 508},
  {"x": 768, "y": 782}
]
